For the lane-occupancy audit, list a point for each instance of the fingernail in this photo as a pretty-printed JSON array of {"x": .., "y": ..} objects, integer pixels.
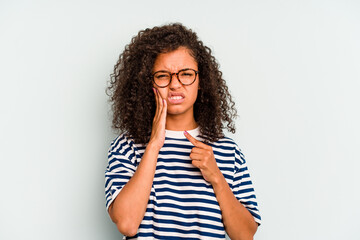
[{"x": 186, "y": 132}]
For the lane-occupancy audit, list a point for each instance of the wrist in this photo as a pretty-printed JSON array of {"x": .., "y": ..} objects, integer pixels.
[
  {"x": 219, "y": 182},
  {"x": 153, "y": 147}
]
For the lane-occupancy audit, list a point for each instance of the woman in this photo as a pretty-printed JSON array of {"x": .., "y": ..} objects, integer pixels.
[{"x": 171, "y": 172}]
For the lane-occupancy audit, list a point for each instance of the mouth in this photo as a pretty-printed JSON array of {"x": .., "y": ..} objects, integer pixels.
[{"x": 176, "y": 98}]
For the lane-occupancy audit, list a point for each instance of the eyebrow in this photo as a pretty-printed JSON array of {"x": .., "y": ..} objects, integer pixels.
[{"x": 187, "y": 68}]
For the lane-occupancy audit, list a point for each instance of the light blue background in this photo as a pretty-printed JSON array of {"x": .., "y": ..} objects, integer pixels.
[{"x": 292, "y": 67}]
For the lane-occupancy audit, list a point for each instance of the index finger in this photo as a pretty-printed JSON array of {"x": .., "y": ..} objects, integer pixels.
[
  {"x": 159, "y": 101},
  {"x": 195, "y": 142}
]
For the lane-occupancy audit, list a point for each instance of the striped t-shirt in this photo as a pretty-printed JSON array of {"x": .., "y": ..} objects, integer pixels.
[{"x": 182, "y": 205}]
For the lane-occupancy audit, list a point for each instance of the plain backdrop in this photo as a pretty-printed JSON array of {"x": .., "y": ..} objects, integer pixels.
[{"x": 291, "y": 66}]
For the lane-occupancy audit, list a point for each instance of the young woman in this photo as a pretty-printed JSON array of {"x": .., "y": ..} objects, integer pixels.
[{"x": 171, "y": 173}]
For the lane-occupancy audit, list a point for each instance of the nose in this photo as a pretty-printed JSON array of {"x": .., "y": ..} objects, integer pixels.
[{"x": 174, "y": 82}]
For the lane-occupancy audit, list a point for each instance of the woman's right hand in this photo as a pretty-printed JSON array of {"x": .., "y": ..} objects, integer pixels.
[{"x": 157, "y": 137}]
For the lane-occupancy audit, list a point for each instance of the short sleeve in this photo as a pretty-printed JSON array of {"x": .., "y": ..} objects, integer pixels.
[
  {"x": 121, "y": 167},
  {"x": 242, "y": 186}
]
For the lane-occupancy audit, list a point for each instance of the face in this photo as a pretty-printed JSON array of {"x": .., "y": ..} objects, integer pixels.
[{"x": 180, "y": 98}]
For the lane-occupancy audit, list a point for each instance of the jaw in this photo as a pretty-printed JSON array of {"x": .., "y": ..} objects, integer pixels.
[
  {"x": 178, "y": 111},
  {"x": 178, "y": 119}
]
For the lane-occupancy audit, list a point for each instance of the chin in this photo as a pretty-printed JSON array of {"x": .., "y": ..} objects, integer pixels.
[
  {"x": 174, "y": 112},
  {"x": 177, "y": 110}
]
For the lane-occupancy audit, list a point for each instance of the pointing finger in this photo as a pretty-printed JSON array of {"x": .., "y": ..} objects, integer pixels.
[
  {"x": 191, "y": 138},
  {"x": 195, "y": 142}
]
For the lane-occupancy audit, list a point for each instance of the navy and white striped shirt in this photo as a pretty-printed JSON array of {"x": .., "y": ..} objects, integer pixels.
[{"x": 182, "y": 205}]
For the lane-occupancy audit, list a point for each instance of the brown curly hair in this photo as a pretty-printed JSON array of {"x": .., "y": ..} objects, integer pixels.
[{"x": 130, "y": 88}]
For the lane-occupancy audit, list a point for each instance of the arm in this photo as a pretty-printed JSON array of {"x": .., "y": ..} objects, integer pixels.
[
  {"x": 238, "y": 222},
  {"x": 129, "y": 207}
]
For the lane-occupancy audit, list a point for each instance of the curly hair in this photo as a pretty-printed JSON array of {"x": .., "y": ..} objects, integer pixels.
[{"x": 130, "y": 88}]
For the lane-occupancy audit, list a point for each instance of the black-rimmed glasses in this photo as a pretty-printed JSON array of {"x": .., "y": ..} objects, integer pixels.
[{"x": 185, "y": 76}]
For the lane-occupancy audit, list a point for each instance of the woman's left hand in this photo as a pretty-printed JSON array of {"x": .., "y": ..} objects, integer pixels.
[{"x": 202, "y": 157}]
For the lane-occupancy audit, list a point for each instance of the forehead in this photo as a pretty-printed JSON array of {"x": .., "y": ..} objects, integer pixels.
[{"x": 175, "y": 60}]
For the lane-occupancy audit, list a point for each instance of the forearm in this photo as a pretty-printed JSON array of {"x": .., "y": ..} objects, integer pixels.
[
  {"x": 238, "y": 222},
  {"x": 129, "y": 207}
]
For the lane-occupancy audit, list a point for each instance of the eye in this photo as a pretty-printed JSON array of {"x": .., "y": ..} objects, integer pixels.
[
  {"x": 187, "y": 73},
  {"x": 161, "y": 75}
]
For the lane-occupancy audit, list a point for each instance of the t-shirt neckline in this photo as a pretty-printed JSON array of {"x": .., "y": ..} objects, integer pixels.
[{"x": 180, "y": 134}]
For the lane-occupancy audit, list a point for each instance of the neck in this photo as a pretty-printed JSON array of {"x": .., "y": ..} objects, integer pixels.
[{"x": 180, "y": 123}]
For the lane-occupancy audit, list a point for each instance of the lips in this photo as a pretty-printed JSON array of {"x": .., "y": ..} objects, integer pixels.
[{"x": 176, "y": 98}]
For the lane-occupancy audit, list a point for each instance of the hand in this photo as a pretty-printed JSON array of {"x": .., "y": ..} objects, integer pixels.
[
  {"x": 157, "y": 137},
  {"x": 202, "y": 157}
]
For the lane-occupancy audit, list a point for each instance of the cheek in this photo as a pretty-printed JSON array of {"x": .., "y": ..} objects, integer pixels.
[
  {"x": 163, "y": 92},
  {"x": 195, "y": 92},
  {"x": 195, "y": 96}
]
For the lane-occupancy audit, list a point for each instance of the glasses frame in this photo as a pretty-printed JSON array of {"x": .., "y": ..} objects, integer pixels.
[{"x": 177, "y": 76}]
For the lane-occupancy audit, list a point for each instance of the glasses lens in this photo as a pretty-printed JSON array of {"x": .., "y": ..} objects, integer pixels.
[
  {"x": 162, "y": 78},
  {"x": 187, "y": 76}
]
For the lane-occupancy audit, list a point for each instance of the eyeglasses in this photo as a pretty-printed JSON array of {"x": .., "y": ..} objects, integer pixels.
[{"x": 185, "y": 76}]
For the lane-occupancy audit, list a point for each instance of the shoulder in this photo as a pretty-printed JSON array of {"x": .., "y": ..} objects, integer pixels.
[
  {"x": 228, "y": 144},
  {"x": 124, "y": 149},
  {"x": 122, "y": 143},
  {"x": 225, "y": 143}
]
